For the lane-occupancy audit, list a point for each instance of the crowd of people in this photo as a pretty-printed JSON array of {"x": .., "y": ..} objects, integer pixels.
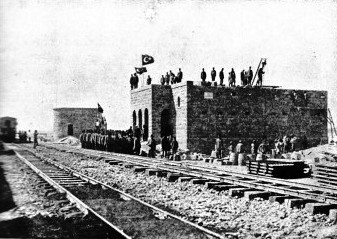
[
  {"x": 287, "y": 144},
  {"x": 170, "y": 77},
  {"x": 127, "y": 142},
  {"x": 246, "y": 77}
]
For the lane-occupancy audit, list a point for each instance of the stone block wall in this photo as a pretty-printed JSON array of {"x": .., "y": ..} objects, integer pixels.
[
  {"x": 198, "y": 113},
  {"x": 254, "y": 113},
  {"x": 80, "y": 118},
  {"x": 141, "y": 101}
]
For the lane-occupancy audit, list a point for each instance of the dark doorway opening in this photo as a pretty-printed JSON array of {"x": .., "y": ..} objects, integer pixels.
[
  {"x": 70, "y": 129},
  {"x": 134, "y": 120},
  {"x": 146, "y": 125},
  {"x": 140, "y": 119},
  {"x": 165, "y": 120}
]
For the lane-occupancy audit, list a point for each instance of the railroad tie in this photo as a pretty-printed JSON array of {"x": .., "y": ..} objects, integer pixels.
[
  {"x": 224, "y": 187},
  {"x": 323, "y": 208},
  {"x": 239, "y": 192},
  {"x": 250, "y": 195},
  {"x": 333, "y": 215},
  {"x": 184, "y": 179},
  {"x": 199, "y": 181},
  {"x": 161, "y": 173},
  {"x": 171, "y": 177},
  {"x": 297, "y": 203},
  {"x": 151, "y": 171},
  {"x": 280, "y": 198},
  {"x": 139, "y": 169},
  {"x": 212, "y": 184}
]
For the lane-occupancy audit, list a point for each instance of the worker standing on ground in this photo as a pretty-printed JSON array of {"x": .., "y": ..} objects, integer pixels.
[
  {"x": 262, "y": 148},
  {"x": 213, "y": 74},
  {"x": 174, "y": 146},
  {"x": 239, "y": 147},
  {"x": 35, "y": 139},
  {"x": 152, "y": 144},
  {"x": 203, "y": 75},
  {"x": 136, "y": 146},
  {"x": 230, "y": 147},
  {"x": 221, "y": 76},
  {"x": 253, "y": 147},
  {"x": 218, "y": 147}
]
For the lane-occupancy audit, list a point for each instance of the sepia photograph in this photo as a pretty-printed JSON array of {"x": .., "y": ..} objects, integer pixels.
[{"x": 167, "y": 119}]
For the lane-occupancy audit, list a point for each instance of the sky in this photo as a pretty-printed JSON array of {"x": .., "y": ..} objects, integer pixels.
[{"x": 72, "y": 53}]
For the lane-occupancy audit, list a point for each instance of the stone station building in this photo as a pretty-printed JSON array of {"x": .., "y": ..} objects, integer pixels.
[{"x": 196, "y": 114}]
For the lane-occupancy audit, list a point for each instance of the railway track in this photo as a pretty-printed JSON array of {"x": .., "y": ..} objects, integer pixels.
[
  {"x": 324, "y": 198},
  {"x": 125, "y": 215}
]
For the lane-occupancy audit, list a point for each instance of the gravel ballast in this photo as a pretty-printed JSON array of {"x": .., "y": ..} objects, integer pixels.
[{"x": 209, "y": 208}]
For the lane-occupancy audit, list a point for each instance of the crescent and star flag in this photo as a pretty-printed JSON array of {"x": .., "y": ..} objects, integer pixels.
[
  {"x": 140, "y": 70},
  {"x": 99, "y": 109},
  {"x": 146, "y": 59}
]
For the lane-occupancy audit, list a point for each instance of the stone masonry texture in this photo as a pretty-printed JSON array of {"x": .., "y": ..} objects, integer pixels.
[
  {"x": 80, "y": 118},
  {"x": 235, "y": 113}
]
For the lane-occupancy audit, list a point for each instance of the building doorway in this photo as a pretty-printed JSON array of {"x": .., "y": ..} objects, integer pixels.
[
  {"x": 165, "y": 122},
  {"x": 134, "y": 120},
  {"x": 70, "y": 129},
  {"x": 146, "y": 125}
]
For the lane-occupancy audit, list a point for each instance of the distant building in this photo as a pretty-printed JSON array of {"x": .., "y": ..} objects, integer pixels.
[
  {"x": 196, "y": 114},
  {"x": 7, "y": 128},
  {"x": 71, "y": 121}
]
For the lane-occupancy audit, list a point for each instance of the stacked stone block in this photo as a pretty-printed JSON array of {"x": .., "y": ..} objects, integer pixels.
[
  {"x": 236, "y": 113},
  {"x": 80, "y": 118}
]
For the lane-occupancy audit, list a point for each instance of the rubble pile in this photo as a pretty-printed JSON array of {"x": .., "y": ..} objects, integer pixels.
[{"x": 209, "y": 208}]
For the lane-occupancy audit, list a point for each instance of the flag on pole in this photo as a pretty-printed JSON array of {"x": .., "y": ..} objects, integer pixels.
[
  {"x": 140, "y": 70},
  {"x": 99, "y": 109},
  {"x": 146, "y": 59}
]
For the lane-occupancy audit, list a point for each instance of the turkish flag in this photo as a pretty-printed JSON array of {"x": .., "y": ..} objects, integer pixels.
[
  {"x": 146, "y": 59},
  {"x": 140, "y": 70}
]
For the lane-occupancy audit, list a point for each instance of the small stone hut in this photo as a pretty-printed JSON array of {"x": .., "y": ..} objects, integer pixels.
[{"x": 71, "y": 121}]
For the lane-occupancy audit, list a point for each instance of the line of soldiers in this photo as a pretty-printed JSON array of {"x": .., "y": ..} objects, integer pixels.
[
  {"x": 246, "y": 76},
  {"x": 126, "y": 142},
  {"x": 171, "y": 77},
  {"x": 286, "y": 144}
]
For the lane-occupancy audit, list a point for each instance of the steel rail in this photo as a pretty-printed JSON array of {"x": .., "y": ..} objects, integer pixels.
[
  {"x": 257, "y": 182},
  {"x": 94, "y": 181},
  {"x": 79, "y": 204}
]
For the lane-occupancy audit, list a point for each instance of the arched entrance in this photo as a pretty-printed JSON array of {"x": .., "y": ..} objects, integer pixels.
[
  {"x": 146, "y": 125},
  {"x": 165, "y": 122},
  {"x": 140, "y": 119},
  {"x": 134, "y": 120}
]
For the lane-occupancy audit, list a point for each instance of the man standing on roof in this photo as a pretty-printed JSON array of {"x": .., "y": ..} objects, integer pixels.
[
  {"x": 250, "y": 76},
  {"x": 221, "y": 76},
  {"x": 180, "y": 75},
  {"x": 213, "y": 74},
  {"x": 260, "y": 75},
  {"x": 203, "y": 75}
]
